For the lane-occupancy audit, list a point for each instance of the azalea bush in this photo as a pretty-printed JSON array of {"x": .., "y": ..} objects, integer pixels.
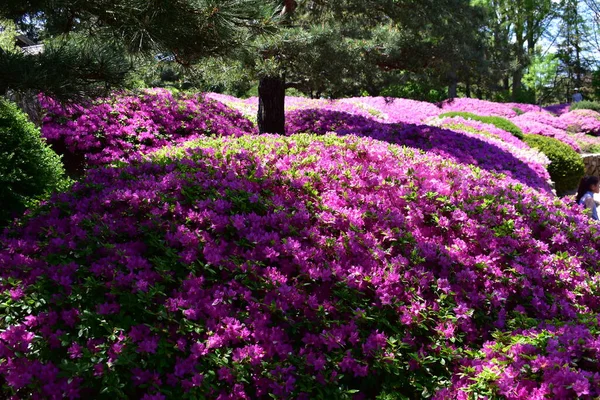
[
  {"x": 300, "y": 267},
  {"x": 566, "y": 166},
  {"x": 29, "y": 170},
  {"x": 128, "y": 124}
]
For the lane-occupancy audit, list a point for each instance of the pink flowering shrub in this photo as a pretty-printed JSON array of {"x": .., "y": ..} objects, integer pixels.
[
  {"x": 297, "y": 267},
  {"x": 460, "y": 146},
  {"x": 479, "y": 107},
  {"x": 585, "y": 121},
  {"x": 126, "y": 125}
]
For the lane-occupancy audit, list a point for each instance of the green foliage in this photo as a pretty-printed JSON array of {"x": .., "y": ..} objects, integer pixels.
[
  {"x": 498, "y": 122},
  {"x": 566, "y": 166},
  {"x": 596, "y": 84},
  {"x": 8, "y": 31},
  {"x": 540, "y": 76},
  {"x": 67, "y": 69},
  {"x": 585, "y": 105},
  {"x": 416, "y": 90},
  {"x": 29, "y": 169}
]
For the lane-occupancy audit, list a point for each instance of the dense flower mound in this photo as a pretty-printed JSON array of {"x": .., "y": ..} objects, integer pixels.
[
  {"x": 559, "y": 362},
  {"x": 126, "y": 125},
  {"x": 305, "y": 267},
  {"x": 394, "y": 110},
  {"x": 479, "y": 107},
  {"x": 541, "y": 118},
  {"x": 558, "y": 109},
  {"x": 518, "y": 162},
  {"x": 585, "y": 121},
  {"x": 537, "y": 128}
]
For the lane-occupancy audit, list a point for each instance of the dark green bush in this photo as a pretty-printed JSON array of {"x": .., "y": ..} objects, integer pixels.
[
  {"x": 29, "y": 169},
  {"x": 498, "y": 122},
  {"x": 585, "y": 105},
  {"x": 566, "y": 167}
]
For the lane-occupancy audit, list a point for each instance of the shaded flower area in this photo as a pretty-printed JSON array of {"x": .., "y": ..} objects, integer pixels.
[
  {"x": 299, "y": 267},
  {"x": 126, "y": 125},
  {"x": 484, "y": 145},
  {"x": 558, "y": 109}
]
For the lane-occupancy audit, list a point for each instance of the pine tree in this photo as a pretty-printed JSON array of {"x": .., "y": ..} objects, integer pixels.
[{"x": 88, "y": 40}]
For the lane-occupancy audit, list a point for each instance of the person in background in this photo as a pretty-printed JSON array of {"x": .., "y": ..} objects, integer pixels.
[
  {"x": 585, "y": 194},
  {"x": 577, "y": 97}
]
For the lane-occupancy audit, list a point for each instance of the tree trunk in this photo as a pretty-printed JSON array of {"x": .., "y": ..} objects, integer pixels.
[
  {"x": 271, "y": 105},
  {"x": 452, "y": 89},
  {"x": 468, "y": 87}
]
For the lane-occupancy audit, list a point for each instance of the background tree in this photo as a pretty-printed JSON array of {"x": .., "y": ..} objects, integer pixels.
[{"x": 343, "y": 48}]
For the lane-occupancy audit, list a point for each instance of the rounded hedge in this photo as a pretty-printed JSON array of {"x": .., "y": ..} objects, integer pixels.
[
  {"x": 304, "y": 267},
  {"x": 566, "y": 166},
  {"x": 29, "y": 169},
  {"x": 585, "y": 105},
  {"x": 498, "y": 122}
]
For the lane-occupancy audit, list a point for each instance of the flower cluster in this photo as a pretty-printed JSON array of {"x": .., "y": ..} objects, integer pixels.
[
  {"x": 126, "y": 125},
  {"x": 545, "y": 362}
]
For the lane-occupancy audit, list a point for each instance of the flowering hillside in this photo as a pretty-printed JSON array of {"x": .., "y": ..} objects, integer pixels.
[
  {"x": 377, "y": 250},
  {"x": 304, "y": 267}
]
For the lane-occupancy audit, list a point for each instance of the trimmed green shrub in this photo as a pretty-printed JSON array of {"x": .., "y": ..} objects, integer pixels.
[
  {"x": 566, "y": 167},
  {"x": 498, "y": 122},
  {"x": 585, "y": 105},
  {"x": 29, "y": 169}
]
